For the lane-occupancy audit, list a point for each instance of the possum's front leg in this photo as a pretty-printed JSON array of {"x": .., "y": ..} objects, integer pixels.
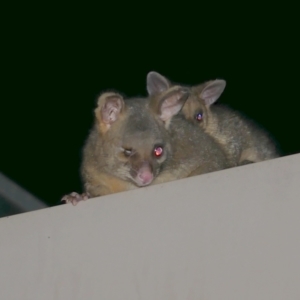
[{"x": 74, "y": 198}]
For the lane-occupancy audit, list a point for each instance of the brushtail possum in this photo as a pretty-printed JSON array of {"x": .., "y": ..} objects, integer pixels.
[
  {"x": 140, "y": 141},
  {"x": 242, "y": 140}
]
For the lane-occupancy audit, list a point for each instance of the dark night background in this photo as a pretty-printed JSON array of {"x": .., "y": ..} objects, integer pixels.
[{"x": 56, "y": 60}]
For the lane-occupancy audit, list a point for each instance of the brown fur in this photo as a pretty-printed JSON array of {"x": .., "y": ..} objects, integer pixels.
[
  {"x": 187, "y": 150},
  {"x": 241, "y": 139},
  {"x": 119, "y": 152}
]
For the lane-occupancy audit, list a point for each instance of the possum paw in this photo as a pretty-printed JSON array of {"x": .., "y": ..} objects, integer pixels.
[{"x": 74, "y": 198}]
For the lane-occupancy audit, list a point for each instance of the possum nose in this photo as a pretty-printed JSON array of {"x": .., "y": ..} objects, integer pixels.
[
  {"x": 145, "y": 174},
  {"x": 146, "y": 177}
]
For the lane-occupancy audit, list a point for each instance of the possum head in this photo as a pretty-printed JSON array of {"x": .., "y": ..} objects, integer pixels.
[{"x": 134, "y": 141}]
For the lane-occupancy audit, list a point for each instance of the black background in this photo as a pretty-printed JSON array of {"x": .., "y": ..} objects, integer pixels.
[{"x": 57, "y": 59}]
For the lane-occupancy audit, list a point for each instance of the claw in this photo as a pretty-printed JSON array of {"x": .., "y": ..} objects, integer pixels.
[{"x": 74, "y": 198}]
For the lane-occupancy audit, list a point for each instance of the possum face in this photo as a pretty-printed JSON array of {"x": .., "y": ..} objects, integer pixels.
[
  {"x": 136, "y": 144},
  {"x": 197, "y": 107},
  {"x": 196, "y": 111},
  {"x": 144, "y": 145},
  {"x": 141, "y": 160}
]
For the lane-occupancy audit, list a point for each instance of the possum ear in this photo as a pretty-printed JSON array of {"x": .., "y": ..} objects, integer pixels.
[
  {"x": 210, "y": 91},
  {"x": 110, "y": 106},
  {"x": 169, "y": 104},
  {"x": 156, "y": 83}
]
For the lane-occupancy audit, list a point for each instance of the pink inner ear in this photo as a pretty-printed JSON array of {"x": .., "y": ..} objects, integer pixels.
[
  {"x": 212, "y": 92},
  {"x": 111, "y": 110},
  {"x": 171, "y": 106},
  {"x": 156, "y": 83}
]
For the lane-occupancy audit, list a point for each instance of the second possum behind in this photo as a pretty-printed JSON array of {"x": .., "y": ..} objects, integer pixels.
[
  {"x": 242, "y": 140},
  {"x": 140, "y": 141}
]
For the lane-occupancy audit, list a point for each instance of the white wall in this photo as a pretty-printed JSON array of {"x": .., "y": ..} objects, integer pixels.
[{"x": 233, "y": 234}]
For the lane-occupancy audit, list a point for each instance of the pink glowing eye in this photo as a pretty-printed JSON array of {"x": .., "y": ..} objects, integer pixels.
[
  {"x": 199, "y": 116},
  {"x": 158, "y": 151}
]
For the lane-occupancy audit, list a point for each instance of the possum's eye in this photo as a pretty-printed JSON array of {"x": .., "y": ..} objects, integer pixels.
[
  {"x": 127, "y": 152},
  {"x": 199, "y": 116},
  {"x": 158, "y": 151}
]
